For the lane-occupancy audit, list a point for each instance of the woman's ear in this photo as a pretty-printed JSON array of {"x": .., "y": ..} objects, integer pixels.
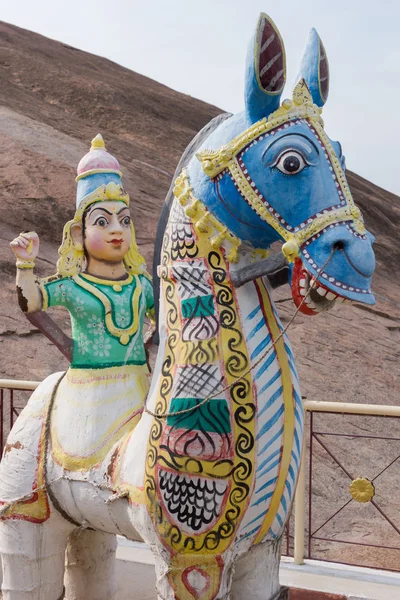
[{"x": 77, "y": 235}]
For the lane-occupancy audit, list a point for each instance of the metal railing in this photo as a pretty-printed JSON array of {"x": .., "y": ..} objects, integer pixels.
[
  {"x": 11, "y": 402},
  {"x": 302, "y": 533},
  {"x": 307, "y": 532}
]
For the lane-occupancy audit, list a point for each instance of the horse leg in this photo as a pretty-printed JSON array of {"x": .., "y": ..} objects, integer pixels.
[
  {"x": 90, "y": 566},
  {"x": 256, "y": 574},
  {"x": 33, "y": 557},
  {"x": 193, "y": 576}
]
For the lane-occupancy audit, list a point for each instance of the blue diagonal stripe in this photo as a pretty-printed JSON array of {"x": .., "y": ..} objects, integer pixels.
[
  {"x": 277, "y": 394},
  {"x": 270, "y": 442},
  {"x": 270, "y": 457},
  {"x": 257, "y": 518},
  {"x": 267, "y": 426},
  {"x": 291, "y": 473},
  {"x": 270, "y": 467},
  {"x": 266, "y": 485},
  {"x": 253, "y": 313},
  {"x": 296, "y": 439},
  {"x": 263, "y": 499},
  {"x": 294, "y": 371},
  {"x": 246, "y": 535},
  {"x": 298, "y": 415},
  {"x": 270, "y": 382},
  {"x": 290, "y": 353},
  {"x": 258, "y": 349},
  {"x": 255, "y": 329},
  {"x": 268, "y": 362}
]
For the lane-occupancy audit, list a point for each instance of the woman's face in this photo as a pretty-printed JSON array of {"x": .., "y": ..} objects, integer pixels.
[{"x": 108, "y": 231}]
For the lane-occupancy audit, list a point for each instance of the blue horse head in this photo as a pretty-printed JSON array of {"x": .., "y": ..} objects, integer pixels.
[{"x": 272, "y": 173}]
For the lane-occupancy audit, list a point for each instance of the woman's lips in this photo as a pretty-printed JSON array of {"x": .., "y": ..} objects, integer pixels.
[{"x": 116, "y": 242}]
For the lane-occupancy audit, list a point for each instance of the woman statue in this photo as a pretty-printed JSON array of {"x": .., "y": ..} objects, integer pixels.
[{"x": 102, "y": 280}]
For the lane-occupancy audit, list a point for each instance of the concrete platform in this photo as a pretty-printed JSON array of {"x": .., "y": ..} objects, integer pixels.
[{"x": 314, "y": 580}]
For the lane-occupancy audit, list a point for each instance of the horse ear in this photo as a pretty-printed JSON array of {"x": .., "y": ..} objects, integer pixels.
[
  {"x": 314, "y": 69},
  {"x": 265, "y": 70}
]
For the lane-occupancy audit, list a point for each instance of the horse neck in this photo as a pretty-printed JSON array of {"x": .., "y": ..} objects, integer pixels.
[{"x": 208, "y": 322}]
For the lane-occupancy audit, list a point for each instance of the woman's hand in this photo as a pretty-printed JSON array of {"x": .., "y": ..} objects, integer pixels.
[{"x": 26, "y": 246}]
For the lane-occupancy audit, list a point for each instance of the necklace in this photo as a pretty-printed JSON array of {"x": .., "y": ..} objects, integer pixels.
[{"x": 124, "y": 335}]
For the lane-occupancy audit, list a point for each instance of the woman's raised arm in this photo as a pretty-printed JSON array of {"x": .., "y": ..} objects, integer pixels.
[{"x": 26, "y": 249}]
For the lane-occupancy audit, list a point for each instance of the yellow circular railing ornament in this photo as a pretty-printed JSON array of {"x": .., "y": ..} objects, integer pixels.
[{"x": 362, "y": 490}]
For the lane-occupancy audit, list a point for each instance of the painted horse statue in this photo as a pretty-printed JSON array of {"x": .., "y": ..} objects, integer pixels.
[{"x": 208, "y": 474}]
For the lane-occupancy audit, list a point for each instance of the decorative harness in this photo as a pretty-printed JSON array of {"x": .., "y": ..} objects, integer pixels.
[{"x": 228, "y": 159}]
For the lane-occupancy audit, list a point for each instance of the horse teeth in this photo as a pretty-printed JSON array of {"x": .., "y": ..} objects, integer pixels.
[
  {"x": 310, "y": 303},
  {"x": 302, "y": 292},
  {"x": 302, "y": 282},
  {"x": 330, "y": 296},
  {"x": 322, "y": 291}
]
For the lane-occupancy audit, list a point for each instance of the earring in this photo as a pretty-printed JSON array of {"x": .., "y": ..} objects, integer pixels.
[{"x": 78, "y": 247}]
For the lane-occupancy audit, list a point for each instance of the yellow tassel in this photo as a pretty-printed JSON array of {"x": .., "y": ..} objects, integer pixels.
[
  {"x": 203, "y": 223},
  {"x": 290, "y": 250},
  {"x": 191, "y": 210},
  {"x": 233, "y": 255},
  {"x": 217, "y": 240}
]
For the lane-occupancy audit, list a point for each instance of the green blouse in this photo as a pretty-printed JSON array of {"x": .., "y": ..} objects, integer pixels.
[{"x": 107, "y": 317}]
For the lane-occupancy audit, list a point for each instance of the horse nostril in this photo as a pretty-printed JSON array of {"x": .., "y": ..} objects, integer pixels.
[{"x": 338, "y": 245}]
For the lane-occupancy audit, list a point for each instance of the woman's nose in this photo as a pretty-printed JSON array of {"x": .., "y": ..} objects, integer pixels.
[{"x": 116, "y": 226}]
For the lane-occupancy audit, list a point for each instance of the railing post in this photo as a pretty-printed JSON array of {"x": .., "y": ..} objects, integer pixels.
[{"x": 299, "y": 510}]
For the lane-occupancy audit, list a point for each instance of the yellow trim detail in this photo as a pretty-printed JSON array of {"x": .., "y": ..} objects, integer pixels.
[
  {"x": 34, "y": 510},
  {"x": 300, "y": 107},
  {"x": 136, "y": 494},
  {"x": 346, "y": 213},
  {"x": 220, "y": 348},
  {"x": 289, "y": 417},
  {"x": 124, "y": 335},
  {"x": 83, "y": 463},
  {"x": 95, "y": 171},
  {"x": 203, "y": 220},
  {"x": 95, "y": 383},
  {"x": 182, "y": 564},
  {"x": 45, "y": 295},
  {"x": 105, "y": 192},
  {"x": 109, "y": 282},
  {"x": 98, "y": 143}
]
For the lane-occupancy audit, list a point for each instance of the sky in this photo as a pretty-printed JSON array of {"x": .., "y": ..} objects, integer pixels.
[{"x": 199, "y": 46}]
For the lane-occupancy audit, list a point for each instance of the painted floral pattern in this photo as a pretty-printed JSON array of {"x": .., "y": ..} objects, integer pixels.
[
  {"x": 123, "y": 318},
  {"x": 101, "y": 347},
  {"x": 80, "y": 309},
  {"x": 94, "y": 345},
  {"x": 83, "y": 343}
]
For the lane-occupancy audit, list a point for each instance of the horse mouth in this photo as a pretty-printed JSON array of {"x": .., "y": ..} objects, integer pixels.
[{"x": 311, "y": 296}]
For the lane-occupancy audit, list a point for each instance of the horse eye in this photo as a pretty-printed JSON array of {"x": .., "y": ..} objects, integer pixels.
[{"x": 290, "y": 163}]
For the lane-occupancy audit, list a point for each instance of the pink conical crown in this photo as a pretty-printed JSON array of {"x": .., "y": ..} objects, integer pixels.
[{"x": 98, "y": 160}]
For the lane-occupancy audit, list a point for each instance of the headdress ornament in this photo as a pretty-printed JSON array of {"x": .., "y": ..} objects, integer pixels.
[
  {"x": 98, "y": 160},
  {"x": 99, "y": 180},
  {"x": 99, "y": 177}
]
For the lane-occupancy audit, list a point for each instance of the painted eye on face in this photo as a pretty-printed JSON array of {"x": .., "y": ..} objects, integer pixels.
[
  {"x": 290, "y": 163},
  {"x": 101, "y": 222},
  {"x": 126, "y": 221}
]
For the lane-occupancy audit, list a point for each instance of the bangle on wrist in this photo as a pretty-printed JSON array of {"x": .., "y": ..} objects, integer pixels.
[{"x": 25, "y": 264}]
